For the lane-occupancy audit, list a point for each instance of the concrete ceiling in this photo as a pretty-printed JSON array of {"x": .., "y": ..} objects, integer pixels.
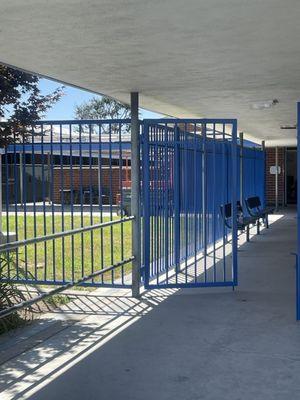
[{"x": 192, "y": 58}]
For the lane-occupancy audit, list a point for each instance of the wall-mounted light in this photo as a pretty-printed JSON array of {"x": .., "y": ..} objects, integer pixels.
[
  {"x": 288, "y": 126},
  {"x": 265, "y": 104}
]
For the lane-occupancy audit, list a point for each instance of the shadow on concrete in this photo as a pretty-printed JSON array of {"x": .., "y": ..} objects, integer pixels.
[{"x": 198, "y": 344}]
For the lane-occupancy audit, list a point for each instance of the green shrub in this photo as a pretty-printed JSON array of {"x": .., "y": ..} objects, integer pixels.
[{"x": 10, "y": 294}]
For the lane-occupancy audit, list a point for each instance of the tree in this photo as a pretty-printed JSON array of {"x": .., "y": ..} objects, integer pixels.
[
  {"x": 102, "y": 108},
  {"x": 21, "y": 104}
]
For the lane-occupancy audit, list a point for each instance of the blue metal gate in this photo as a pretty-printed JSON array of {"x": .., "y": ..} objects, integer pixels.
[
  {"x": 66, "y": 204},
  {"x": 190, "y": 170}
]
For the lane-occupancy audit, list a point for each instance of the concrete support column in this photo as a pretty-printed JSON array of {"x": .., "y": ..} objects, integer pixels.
[{"x": 135, "y": 194}]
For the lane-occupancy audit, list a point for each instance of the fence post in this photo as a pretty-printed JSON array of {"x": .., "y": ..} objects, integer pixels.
[
  {"x": 276, "y": 179},
  {"x": 177, "y": 197},
  {"x": 21, "y": 177},
  {"x": 298, "y": 219},
  {"x": 241, "y": 136},
  {"x": 233, "y": 204},
  {"x": 263, "y": 147},
  {"x": 135, "y": 194}
]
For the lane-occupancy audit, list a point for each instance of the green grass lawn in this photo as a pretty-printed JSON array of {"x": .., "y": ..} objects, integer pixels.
[{"x": 73, "y": 256}]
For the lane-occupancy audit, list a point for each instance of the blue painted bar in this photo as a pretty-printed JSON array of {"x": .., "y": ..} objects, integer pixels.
[
  {"x": 147, "y": 172},
  {"x": 298, "y": 218},
  {"x": 56, "y": 146},
  {"x": 234, "y": 199}
]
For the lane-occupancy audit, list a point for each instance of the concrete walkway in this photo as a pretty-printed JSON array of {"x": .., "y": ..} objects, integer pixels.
[{"x": 187, "y": 344}]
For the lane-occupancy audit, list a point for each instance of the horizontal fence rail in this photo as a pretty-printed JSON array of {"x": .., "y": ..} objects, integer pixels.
[
  {"x": 13, "y": 272},
  {"x": 191, "y": 169},
  {"x": 45, "y": 295},
  {"x": 16, "y": 245},
  {"x": 62, "y": 177},
  {"x": 80, "y": 281}
]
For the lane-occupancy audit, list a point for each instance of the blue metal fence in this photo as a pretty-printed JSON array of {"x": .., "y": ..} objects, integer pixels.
[
  {"x": 254, "y": 173},
  {"x": 64, "y": 176},
  {"x": 68, "y": 175},
  {"x": 190, "y": 170}
]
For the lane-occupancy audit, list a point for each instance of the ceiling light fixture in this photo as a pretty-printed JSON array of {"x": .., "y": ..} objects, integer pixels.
[
  {"x": 288, "y": 126},
  {"x": 265, "y": 104}
]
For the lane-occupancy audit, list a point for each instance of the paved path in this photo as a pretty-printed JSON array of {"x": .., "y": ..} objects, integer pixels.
[{"x": 211, "y": 344}]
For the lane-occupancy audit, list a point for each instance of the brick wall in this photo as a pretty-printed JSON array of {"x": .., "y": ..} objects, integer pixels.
[
  {"x": 85, "y": 177},
  {"x": 270, "y": 179}
]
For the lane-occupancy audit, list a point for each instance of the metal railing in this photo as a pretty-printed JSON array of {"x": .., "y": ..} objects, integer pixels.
[
  {"x": 68, "y": 176},
  {"x": 83, "y": 279},
  {"x": 191, "y": 167}
]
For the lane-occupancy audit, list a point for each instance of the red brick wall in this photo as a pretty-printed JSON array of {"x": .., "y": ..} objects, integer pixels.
[
  {"x": 270, "y": 179},
  {"x": 85, "y": 176}
]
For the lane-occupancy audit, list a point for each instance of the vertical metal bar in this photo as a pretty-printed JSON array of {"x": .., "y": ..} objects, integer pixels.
[
  {"x": 214, "y": 203},
  {"x": 62, "y": 199},
  {"x": 147, "y": 189},
  {"x": 16, "y": 192},
  {"x": 135, "y": 194},
  {"x": 81, "y": 199},
  {"x": 298, "y": 219},
  {"x": 152, "y": 207},
  {"x": 204, "y": 197},
  {"x": 72, "y": 192},
  {"x": 233, "y": 204},
  {"x": 241, "y": 136},
  {"x": 33, "y": 157},
  {"x": 91, "y": 190},
  {"x": 157, "y": 195},
  {"x": 263, "y": 147},
  {"x": 224, "y": 174},
  {"x": 21, "y": 177},
  {"x": 49, "y": 174},
  {"x": 44, "y": 200},
  {"x": 276, "y": 178},
  {"x": 161, "y": 204},
  {"x": 100, "y": 185},
  {"x": 285, "y": 177},
  {"x": 195, "y": 215},
  {"x": 165, "y": 152},
  {"x": 186, "y": 197},
  {"x": 7, "y": 198},
  {"x": 111, "y": 199},
  {"x": 177, "y": 198},
  {"x": 52, "y": 204},
  {"x": 155, "y": 192},
  {"x": 121, "y": 196},
  {"x": 25, "y": 206}
]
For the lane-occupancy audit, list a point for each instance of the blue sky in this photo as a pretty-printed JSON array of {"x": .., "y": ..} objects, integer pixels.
[{"x": 64, "y": 109}]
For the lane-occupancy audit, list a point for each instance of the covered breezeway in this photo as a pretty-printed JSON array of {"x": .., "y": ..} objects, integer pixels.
[
  {"x": 198, "y": 60},
  {"x": 187, "y": 343}
]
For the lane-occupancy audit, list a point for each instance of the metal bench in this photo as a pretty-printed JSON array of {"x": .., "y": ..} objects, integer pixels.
[
  {"x": 243, "y": 223},
  {"x": 255, "y": 209}
]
